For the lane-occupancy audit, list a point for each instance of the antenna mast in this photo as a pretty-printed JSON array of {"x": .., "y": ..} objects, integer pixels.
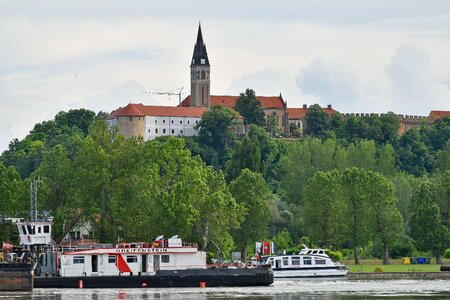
[
  {"x": 175, "y": 92},
  {"x": 33, "y": 198}
]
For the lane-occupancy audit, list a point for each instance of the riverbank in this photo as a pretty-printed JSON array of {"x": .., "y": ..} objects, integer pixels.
[{"x": 397, "y": 275}]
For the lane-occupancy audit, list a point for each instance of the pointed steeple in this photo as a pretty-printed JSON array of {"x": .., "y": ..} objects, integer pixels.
[{"x": 200, "y": 56}]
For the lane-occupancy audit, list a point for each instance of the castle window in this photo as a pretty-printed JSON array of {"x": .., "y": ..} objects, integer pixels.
[
  {"x": 172, "y": 121},
  {"x": 203, "y": 74},
  {"x": 203, "y": 95},
  {"x": 156, "y": 121},
  {"x": 149, "y": 131},
  {"x": 131, "y": 118},
  {"x": 156, "y": 130},
  {"x": 188, "y": 122},
  {"x": 173, "y": 131},
  {"x": 181, "y": 122},
  {"x": 198, "y": 74},
  {"x": 164, "y": 131},
  {"x": 196, "y": 122},
  {"x": 181, "y": 131},
  {"x": 164, "y": 121}
]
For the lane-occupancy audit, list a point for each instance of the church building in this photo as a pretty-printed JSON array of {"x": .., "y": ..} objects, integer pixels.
[{"x": 154, "y": 121}]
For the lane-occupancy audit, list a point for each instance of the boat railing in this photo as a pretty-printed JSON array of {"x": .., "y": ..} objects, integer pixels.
[{"x": 90, "y": 246}]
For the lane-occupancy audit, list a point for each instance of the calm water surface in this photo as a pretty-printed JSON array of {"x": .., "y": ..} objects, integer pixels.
[{"x": 280, "y": 290}]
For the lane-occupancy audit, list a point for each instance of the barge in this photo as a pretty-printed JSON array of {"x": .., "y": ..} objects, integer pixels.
[{"x": 159, "y": 263}]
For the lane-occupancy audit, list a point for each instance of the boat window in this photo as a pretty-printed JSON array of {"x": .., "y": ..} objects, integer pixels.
[
  {"x": 39, "y": 229},
  {"x": 24, "y": 230},
  {"x": 314, "y": 252},
  {"x": 285, "y": 261},
  {"x": 112, "y": 259},
  {"x": 132, "y": 259},
  {"x": 319, "y": 261},
  {"x": 78, "y": 259},
  {"x": 295, "y": 261},
  {"x": 30, "y": 229},
  {"x": 165, "y": 258},
  {"x": 307, "y": 260},
  {"x": 46, "y": 228}
]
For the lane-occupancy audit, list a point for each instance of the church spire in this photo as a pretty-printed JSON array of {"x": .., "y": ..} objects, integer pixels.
[
  {"x": 200, "y": 56},
  {"x": 200, "y": 74}
]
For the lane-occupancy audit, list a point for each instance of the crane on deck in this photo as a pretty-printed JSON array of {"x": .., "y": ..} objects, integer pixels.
[{"x": 174, "y": 92}]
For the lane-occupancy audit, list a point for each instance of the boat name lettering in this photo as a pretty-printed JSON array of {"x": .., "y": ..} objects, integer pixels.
[{"x": 141, "y": 250}]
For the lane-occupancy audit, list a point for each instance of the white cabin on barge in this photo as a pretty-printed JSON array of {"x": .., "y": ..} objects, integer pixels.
[{"x": 135, "y": 258}]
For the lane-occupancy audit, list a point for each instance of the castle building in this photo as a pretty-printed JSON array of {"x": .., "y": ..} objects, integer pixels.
[
  {"x": 150, "y": 121},
  {"x": 154, "y": 121},
  {"x": 297, "y": 117}
]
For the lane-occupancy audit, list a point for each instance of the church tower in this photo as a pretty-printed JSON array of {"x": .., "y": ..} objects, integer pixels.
[{"x": 200, "y": 80}]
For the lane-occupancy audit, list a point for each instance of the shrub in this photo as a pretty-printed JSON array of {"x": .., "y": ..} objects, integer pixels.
[
  {"x": 335, "y": 255},
  {"x": 378, "y": 270},
  {"x": 402, "y": 250},
  {"x": 447, "y": 253},
  {"x": 445, "y": 268}
]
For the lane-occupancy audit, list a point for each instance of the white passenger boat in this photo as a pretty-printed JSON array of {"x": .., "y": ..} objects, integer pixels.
[{"x": 307, "y": 263}]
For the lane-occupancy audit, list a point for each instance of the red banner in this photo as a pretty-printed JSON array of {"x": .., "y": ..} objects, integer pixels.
[{"x": 7, "y": 245}]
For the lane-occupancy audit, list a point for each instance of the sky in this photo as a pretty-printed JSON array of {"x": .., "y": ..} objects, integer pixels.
[{"x": 359, "y": 56}]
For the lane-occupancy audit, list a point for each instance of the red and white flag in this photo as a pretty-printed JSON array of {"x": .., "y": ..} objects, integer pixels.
[{"x": 7, "y": 245}]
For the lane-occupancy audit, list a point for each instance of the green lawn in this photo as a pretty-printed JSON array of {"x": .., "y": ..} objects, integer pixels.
[{"x": 395, "y": 266}]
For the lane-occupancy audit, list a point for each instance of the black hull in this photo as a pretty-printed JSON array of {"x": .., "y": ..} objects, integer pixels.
[
  {"x": 16, "y": 277},
  {"x": 163, "y": 279}
]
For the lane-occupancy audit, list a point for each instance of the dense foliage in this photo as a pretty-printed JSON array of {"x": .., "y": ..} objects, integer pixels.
[{"x": 351, "y": 183}]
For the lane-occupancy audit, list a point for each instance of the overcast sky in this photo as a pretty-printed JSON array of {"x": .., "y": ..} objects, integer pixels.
[{"x": 359, "y": 56}]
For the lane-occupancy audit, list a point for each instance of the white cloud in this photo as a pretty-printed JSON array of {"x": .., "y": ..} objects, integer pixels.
[
  {"x": 266, "y": 82},
  {"x": 58, "y": 56},
  {"x": 413, "y": 87}
]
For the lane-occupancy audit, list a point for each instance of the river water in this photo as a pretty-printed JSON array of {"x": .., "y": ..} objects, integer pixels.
[{"x": 280, "y": 290}]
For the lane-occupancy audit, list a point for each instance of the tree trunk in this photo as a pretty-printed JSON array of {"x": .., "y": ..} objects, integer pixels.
[
  {"x": 205, "y": 234},
  {"x": 385, "y": 254},
  {"x": 356, "y": 254},
  {"x": 438, "y": 259},
  {"x": 244, "y": 252}
]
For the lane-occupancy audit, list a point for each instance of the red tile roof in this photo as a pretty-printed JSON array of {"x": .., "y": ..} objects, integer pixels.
[
  {"x": 296, "y": 113},
  {"x": 299, "y": 113},
  {"x": 140, "y": 110},
  {"x": 438, "y": 114},
  {"x": 230, "y": 101}
]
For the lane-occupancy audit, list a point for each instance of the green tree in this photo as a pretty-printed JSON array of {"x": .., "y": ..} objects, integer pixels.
[
  {"x": 386, "y": 218},
  {"x": 219, "y": 129},
  {"x": 356, "y": 213},
  {"x": 362, "y": 154},
  {"x": 355, "y": 128},
  {"x": 413, "y": 154},
  {"x": 390, "y": 125},
  {"x": 79, "y": 118},
  {"x": 252, "y": 192},
  {"x": 247, "y": 155},
  {"x": 323, "y": 207},
  {"x": 427, "y": 227},
  {"x": 250, "y": 108},
  {"x": 443, "y": 158},
  {"x": 317, "y": 122}
]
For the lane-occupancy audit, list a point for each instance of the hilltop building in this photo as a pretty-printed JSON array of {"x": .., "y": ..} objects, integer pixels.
[{"x": 154, "y": 121}]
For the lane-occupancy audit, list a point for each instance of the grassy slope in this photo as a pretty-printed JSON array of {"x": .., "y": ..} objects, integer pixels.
[{"x": 395, "y": 266}]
